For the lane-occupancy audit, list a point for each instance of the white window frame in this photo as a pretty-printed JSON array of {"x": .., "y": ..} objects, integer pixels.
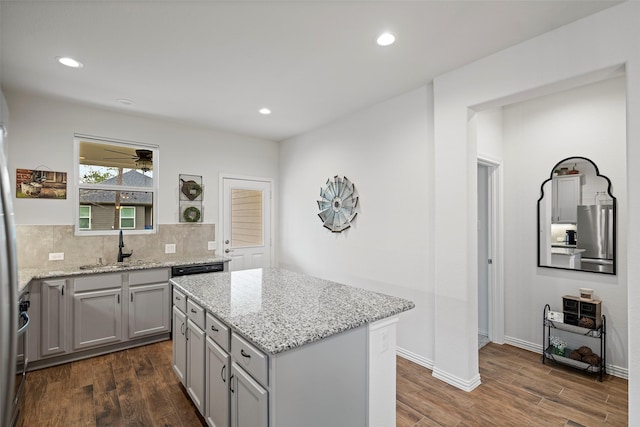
[
  {"x": 78, "y": 186},
  {"x": 83, "y": 217},
  {"x": 127, "y": 217}
]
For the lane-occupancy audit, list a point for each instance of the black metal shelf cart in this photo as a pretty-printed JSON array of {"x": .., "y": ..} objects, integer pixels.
[{"x": 599, "y": 333}]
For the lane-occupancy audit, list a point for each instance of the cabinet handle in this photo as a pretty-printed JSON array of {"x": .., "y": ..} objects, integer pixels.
[
  {"x": 213, "y": 328},
  {"x": 62, "y": 290},
  {"x": 131, "y": 297},
  {"x": 224, "y": 368},
  {"x": 178, "y": 299},
  {"x": 244, "y": 354},
  {"x": 231, "y": 384},
  {"x": 186, "y": 334},
  {"x": 193, "y": 311},
  {"x": 118, "y": 298},
  {"x": 182, "y": 331}
]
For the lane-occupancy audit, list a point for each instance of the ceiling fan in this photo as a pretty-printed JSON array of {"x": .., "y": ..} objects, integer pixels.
[{"x": 143, "y": 158}]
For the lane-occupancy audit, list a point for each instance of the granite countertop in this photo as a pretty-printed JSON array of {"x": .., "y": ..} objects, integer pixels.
[
  {"x": 278, "y": 310},
  {"x": 25, "y": 275},
  {"x": 566, "y": 251}
]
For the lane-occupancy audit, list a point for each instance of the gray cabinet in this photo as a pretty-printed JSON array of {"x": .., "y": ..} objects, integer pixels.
[
  {"x": 216, "y": 387},
  {"x": 97, "y": 318},
  {"x": 566, "y": 198},
  {"x": 148, "y": 313},
  {"x": 249, "y": 400},
  {"x": 180, "y": 345},
  {"x": 149, "y": 306},
  {"x": 195, "y": 364},
  {"x": 53, "y": 320},
  {"x": 97, "y": 310}
]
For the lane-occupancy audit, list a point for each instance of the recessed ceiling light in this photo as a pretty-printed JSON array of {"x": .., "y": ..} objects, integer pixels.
[
  {"x": 69, "y": 62},
  {"x": 264, "y": 111},
  {"x": 125, "y": 101},
  {"x": 385, "y": 39}
]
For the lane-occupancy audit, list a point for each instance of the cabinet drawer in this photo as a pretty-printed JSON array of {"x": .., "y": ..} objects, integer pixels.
[
  {"x": 570, "y": 304},
  {"x": 143, "y": 277},
  {"x": 589, "y": 309},
  {"x": 571, "y": 319},
  {"x": 218, "y": 332},
  {"x": 96, "y": 282},
  {"x": 195, "y": 313},
  {"x": 249, "y": 358},
  {"x": 179, "y": 300}
]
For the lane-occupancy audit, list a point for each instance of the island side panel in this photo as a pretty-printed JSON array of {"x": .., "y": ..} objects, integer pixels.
[
  {"x": 321, "y": 384},
  {"x": 382, "y": 372}
]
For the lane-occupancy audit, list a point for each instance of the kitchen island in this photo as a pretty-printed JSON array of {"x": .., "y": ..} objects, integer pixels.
[
  {"x": 566, "y": 257},
  {"x": 318, "y": 353}
]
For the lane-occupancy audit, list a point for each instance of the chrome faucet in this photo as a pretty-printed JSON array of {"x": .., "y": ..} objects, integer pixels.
[{"x": 121, "y": 255}]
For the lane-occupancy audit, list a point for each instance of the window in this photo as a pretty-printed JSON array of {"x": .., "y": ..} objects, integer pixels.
[
  {"x": 127, "y": 217},
  {"x": 116, "y": 186},
  {"x": 84, "y": 219}
]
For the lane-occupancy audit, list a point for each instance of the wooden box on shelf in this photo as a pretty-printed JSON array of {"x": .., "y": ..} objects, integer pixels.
[{"x": 576, "y": 309}]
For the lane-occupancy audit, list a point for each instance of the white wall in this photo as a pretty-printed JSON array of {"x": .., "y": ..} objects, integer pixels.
[
  {"x": 589, "y": 121},
  {"x": 386, "y": 152},
  {"x": 42, "y": 131},
  {"x": 599, "y": 42}
]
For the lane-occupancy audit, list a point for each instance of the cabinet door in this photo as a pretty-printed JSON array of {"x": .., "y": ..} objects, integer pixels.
[
  {"x": 249, "y": 404},
  {"x": 217, "y": 391},
  {"x": 180, "y": 345},
  {"x": 97, "y": 318},
  {"x": 53, "y": 323},
  {"x": 195, "y": 364},
  {"x": 566, "y": 199},
  {"x": 148, "y": 309}
]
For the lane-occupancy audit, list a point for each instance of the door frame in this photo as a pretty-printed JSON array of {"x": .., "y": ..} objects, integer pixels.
[
  {"x": 221, "y": 208},
  {"x": 496, "y": 249}
]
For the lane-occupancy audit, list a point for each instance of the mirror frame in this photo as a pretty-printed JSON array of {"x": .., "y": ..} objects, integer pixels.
[{"x": 615, "y": 219}]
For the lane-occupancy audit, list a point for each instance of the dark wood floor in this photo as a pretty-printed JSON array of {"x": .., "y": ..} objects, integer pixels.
[{"x": 137, "y": 387}]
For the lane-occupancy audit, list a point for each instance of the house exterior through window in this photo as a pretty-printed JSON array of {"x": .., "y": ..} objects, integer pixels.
[{"x": 116, "y": 189}]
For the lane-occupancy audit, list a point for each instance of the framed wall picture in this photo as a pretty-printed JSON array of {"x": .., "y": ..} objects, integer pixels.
[{"x": 40, "y": 184}]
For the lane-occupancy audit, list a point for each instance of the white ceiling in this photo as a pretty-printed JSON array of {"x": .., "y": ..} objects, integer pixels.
[{"x": 215, "y": 63}]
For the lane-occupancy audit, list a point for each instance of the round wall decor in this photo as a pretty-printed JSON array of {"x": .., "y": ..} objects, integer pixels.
[
  {"x": 338, "y": 204},
  {"x": 191, "y": 214}
]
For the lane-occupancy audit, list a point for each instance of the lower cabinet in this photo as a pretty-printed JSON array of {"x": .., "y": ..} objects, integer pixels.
[
  {"x": 74, "y": 317},
  {"x": 217, "y": 385},
  {"x": 53, "y": 321},
  {"x": 223, "y": 391},
  {"x": 249, "y": 400},
  {"x": 97, "y": 318},
  {"x": 195, "y": 364},
  {"x": 180, "y": 345},
  {"x": 144, "y": 316}
]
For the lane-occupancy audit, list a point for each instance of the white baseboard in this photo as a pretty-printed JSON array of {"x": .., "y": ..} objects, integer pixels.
[
  {"x": 455, "y": 381},
  {"x": 439, "y": 374},
  {"x": 616, "y": 371},
  {"x": 415, "y": 358}
]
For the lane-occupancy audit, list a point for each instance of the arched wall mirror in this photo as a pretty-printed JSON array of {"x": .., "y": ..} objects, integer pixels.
[{"x": 577, "y": 219}]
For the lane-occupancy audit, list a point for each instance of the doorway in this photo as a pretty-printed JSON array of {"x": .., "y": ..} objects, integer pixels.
[
  {"x": 484, "y": 258},
  {"x": 246, "y": 222},
  {"x": 490, "y": 281}
]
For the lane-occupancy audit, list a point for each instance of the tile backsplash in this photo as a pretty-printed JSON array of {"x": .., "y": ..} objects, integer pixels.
[{"x": 35, "y": 242}]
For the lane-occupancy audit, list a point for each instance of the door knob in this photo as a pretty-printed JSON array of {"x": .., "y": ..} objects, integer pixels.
[{"x": 228, "y": 250}]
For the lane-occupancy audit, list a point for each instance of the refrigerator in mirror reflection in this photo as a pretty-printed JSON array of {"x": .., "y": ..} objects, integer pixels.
[{"x": 596, "y": 237}]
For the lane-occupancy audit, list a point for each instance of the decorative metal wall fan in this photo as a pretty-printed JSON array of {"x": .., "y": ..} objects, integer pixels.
[
  {"x": 338, "y": 204},
  {"x": 143, "y": 158}
]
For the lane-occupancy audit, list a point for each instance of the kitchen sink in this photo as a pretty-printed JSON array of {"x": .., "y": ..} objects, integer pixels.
[
  {"x": 114, "y": 266},
  {"x": 102, "y": 266}
]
